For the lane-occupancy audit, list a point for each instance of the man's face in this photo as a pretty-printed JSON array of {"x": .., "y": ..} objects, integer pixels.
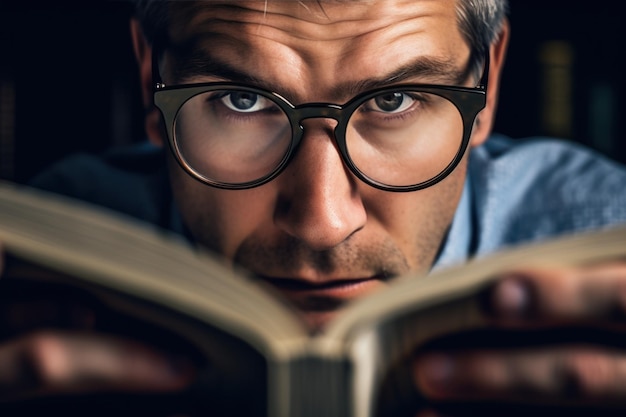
[{"x": 316, "y": 232}]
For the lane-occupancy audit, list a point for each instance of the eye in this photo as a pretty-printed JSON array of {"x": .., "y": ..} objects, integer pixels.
[
  {"x": 395, "y": 102},
  {"x": 245, "y": 102}
]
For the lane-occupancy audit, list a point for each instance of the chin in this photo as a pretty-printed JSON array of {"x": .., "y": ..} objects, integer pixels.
[{"x": 316, "y": 321}]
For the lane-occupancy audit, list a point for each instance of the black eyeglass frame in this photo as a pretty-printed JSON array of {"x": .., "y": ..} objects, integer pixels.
[{"x": 468, "y": 100}]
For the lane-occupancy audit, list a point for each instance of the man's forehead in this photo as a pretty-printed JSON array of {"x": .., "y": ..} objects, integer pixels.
[
  {"x": 324, "y": 19},
  {"x": 328, "y": 44}
]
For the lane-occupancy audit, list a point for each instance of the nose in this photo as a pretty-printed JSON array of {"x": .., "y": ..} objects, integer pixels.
[{"x": 319, "y": 203}]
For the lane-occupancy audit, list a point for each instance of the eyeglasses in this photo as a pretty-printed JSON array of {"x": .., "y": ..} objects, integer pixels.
[{"x": 398, "y": 138}]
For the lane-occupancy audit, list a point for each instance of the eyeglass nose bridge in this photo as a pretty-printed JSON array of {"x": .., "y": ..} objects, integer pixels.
[
  {"x": 341, "y": 114},
  {"x": 320, "y": 111}
]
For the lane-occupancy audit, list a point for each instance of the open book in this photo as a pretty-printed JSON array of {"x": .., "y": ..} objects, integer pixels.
[{"x": 254, "y": 355}]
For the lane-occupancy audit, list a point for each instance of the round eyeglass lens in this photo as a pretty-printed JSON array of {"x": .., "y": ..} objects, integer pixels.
[
  {"x": 403, "y": 138},
  {"x": 232, "y": 136}
]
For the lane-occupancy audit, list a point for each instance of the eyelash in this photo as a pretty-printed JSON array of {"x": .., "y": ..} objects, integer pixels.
[
  {"x": 419, "y": 100},
  {"x": 213, "y": 101}
]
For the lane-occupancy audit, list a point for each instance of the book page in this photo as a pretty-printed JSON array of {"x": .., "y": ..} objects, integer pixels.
[
  {"x": 103, "y": 248},
  {"x": 381, "y": 331}
]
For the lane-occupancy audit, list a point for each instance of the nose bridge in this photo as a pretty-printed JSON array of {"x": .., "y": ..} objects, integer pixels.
[{"x": 319, "y": 204}]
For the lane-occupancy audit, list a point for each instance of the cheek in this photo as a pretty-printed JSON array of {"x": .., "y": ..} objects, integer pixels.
[
  {"x": 219, "y": 219},
  {"x": 418, "y": 221}
]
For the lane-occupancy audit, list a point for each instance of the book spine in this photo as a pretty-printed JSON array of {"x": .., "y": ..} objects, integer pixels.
[
  {"x": 311, "y": 387},
  {"x": 557, "y": 58}
]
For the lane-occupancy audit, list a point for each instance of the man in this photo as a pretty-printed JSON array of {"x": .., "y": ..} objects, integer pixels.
[{"x": 329, "y": 202}]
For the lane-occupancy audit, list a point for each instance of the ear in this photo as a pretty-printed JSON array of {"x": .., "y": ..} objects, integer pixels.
[
  {"x": 485, "y": 119},
  {"x": 143, "y": 55}
]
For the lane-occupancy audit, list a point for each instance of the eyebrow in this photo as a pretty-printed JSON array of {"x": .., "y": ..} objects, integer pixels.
[
  {"x": 205, "y": 66},
  {"x": 440, "y": 71}
]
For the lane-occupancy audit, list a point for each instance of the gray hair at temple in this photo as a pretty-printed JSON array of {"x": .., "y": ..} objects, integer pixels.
[{"x": 480, "y": 21}]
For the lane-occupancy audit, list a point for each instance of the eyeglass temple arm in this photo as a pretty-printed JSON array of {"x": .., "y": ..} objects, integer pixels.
[
  {"x": 484, "y": 80},
  {"x": 157, "y": 81}
]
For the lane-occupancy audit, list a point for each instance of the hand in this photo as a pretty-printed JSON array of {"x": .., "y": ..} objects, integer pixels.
[
  {"x": 49, "y": 362},
  {"x": 74, "y": 359},
  {"x": 569, "y": 330}
]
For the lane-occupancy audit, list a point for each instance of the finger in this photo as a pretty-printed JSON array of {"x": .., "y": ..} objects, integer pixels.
[
  {"x": 584, "y": 374},
  {"x": 52, "y": 363},
  {"x": 566, "y": 293}
]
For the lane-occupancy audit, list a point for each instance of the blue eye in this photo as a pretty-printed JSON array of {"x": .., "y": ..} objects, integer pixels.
[
  {"x": 395, "y": 102},
  {"x": 245, "y": 102}
]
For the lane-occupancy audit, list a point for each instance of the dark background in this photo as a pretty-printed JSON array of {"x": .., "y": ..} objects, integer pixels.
[{"x": 68, "y": 80}]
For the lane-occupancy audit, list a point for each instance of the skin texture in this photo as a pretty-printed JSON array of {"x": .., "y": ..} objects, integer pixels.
[{"x": 316, "y": 232}]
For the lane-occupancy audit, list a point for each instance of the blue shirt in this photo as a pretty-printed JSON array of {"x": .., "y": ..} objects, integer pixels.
[{"x": 516, "y": 191}]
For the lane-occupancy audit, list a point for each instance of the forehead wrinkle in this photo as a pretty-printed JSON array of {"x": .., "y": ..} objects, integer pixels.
[
  {"x": 241, "y": 26},
  {"x": 301, "y": 23}
]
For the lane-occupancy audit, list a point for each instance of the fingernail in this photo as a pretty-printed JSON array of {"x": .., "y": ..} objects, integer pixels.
[
  {"x": 435, "y": 372},
  {"x": 511, "y": 297}
]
